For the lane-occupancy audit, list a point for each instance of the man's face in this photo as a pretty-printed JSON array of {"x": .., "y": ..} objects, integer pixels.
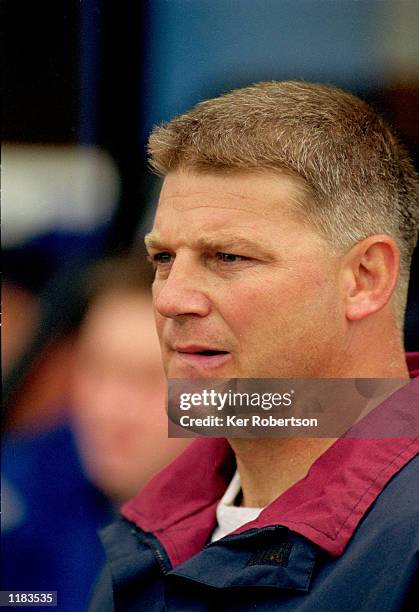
[{"x": 243, "y": 288}]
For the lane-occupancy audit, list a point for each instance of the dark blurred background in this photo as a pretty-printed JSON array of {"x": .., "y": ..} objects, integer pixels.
[{"x": 84, "y": 82}]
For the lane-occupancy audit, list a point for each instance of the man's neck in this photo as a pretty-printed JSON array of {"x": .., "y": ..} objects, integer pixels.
[
  {"x": 374, "y": 349},
  {"x": 268, "y": 467}
]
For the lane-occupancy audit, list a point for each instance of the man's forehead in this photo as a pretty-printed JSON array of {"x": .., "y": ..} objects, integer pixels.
[{"x": 251, "y": 192}]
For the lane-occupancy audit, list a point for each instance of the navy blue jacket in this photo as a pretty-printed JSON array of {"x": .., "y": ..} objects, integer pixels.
[
  {"x": 52, "y": 543},
  {"x": 345, "y": 538}
]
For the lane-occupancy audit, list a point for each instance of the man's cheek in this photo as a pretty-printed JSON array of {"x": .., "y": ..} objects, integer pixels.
[
  {"x": 241, "y": 313},
  {"x": 159, "y": 321},
  {"x": 245, "y": 303}
]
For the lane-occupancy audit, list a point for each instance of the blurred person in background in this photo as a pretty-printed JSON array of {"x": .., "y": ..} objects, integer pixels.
[
  {"x": 117, "y": 370},
  {"x": 36, "y": 356},
  {"x": 61, "y": 484}
]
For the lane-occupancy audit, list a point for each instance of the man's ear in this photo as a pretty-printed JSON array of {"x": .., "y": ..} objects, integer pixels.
[{"x": 370, "y": 272}]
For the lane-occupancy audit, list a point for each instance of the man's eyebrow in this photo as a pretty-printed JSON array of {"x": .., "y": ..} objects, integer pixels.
[
  {"x": 152, "y": 240},
  {"x": 230, "y": 242},
  {"x": 219, "y": 242}
]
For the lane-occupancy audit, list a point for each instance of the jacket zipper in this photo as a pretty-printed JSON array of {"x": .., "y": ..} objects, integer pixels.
[{"x": 153, "y": 542}]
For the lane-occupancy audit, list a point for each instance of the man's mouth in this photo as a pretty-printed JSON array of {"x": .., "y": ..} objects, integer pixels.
[{"x": 202, "y": 356}]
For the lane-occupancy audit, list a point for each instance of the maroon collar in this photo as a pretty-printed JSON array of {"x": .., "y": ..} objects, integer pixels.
[
  {"x": 412, "y": 360},
  {"x": 178, "y": 505}
]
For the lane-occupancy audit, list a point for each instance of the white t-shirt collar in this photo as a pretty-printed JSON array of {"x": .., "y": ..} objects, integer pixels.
[{"x": 229, "y": 516}]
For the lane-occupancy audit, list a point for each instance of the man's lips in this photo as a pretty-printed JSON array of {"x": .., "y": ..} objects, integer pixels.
[{"x": 202, "y": 356}]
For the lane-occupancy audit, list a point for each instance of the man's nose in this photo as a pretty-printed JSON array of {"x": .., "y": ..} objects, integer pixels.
[{"x": 183, "y": 292}]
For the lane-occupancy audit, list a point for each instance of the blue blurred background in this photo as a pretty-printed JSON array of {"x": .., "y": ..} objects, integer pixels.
[{"x": 85, "y": 82}]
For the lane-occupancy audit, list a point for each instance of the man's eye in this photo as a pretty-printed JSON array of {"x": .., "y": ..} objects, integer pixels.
[
  {"x": 229, "y": 257},
  {"x": 161, "y": 258}
]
